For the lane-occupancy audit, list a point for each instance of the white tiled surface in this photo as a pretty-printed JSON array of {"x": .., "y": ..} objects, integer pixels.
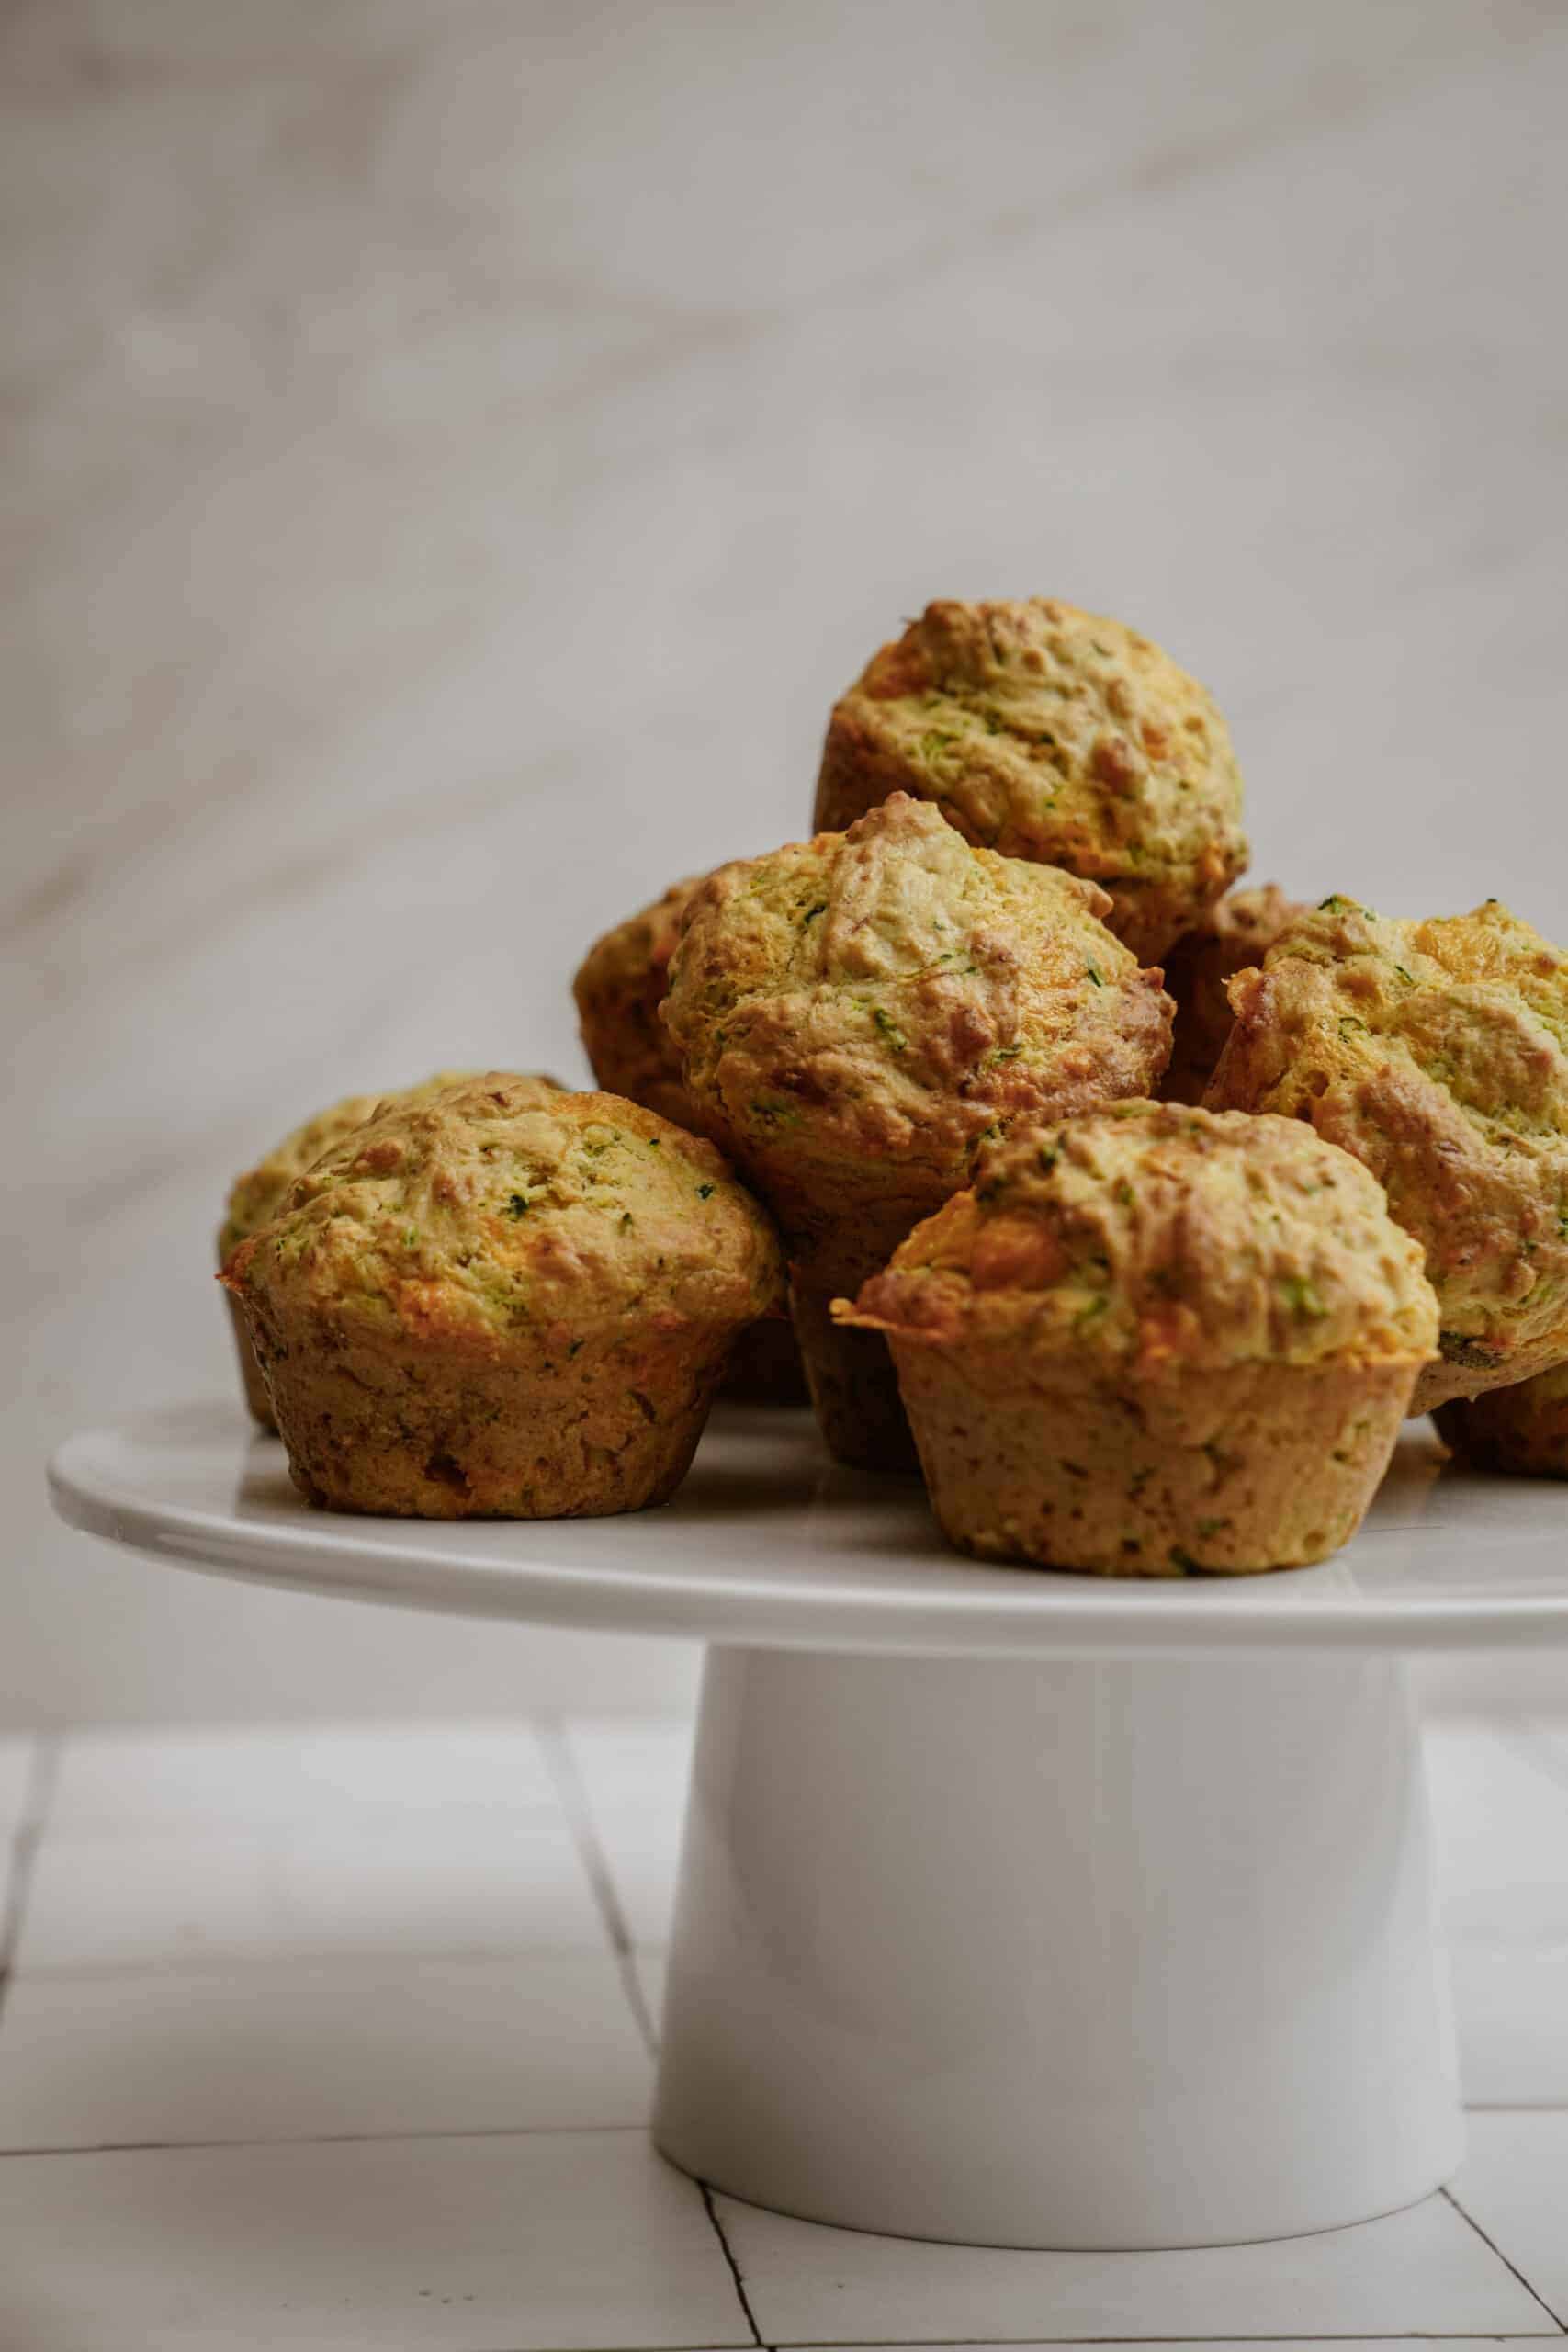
[
  {"x": 1513, "y": 2185},
  {"x": 1425, "y": 2271},
  {"x": 383, "y": 1979},
  {"x": 648, "y": 1967},
  {"x": 445, "y": 1772},
  {"x": 16, "y": 1760},
  {"x": 1500, "y": 1809},
  {"x": 312, "y": 2049},
  {"x": 633, "y": 1777},
  {"x": 389, "y": 2246},
  {"x": 511, "y": 1886}
]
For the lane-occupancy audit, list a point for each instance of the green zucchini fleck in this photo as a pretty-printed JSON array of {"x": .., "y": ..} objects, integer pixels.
[{"x": 1303, "y": 1297}]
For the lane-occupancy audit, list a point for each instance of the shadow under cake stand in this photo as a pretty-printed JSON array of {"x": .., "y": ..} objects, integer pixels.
[{"x": 1018, "y": 1909}]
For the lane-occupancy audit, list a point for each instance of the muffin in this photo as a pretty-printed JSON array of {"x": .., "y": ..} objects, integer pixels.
[
  {"x": 855, "y": 1012},
  {"x": 498, "y": 1302},
  {"x": 1156, "y": 1340},
  {"x": 619, "y": 989},
  {"x": 1434, "y": 1051},
  {"x": 1235, "y": 933},
  {"x": 1050, "y": 734},
  {"x": 1521, "y": 1431},
  {"x": 256, "y": 1197}
]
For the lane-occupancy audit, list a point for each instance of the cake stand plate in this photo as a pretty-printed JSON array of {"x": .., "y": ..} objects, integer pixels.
[{"x": 1015, "y": 1908}]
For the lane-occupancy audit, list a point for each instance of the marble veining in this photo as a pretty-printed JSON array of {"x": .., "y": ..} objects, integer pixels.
[{"x": 452, "y": 457}]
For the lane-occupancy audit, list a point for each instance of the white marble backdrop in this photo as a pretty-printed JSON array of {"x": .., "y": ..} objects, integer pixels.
[{"x": 453, "y": 455}]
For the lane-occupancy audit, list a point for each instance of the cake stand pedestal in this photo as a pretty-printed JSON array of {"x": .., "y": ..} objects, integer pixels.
[
  {"x": 1015, "y": 1909},
  {"x": 1082, "y": 1954}
]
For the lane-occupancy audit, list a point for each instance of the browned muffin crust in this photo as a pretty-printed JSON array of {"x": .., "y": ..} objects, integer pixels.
[
  {"x": 1234, "y": 935},
  {"x": 1435, "y": 1052},
  {"x": 853, "y": 1013},
  {"x": 856, "y": 1011},
  {"x": 1164, "y": 1239},
  {"x": 1056, "y": 735},
  {"x": 1154, "y": 1340},
  {"x": 619, "y": 988},
  {"x": 493, "y": 1304},
  {"x": 256, "y": 1197}
]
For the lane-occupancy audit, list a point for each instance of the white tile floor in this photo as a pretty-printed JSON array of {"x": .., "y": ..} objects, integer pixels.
[{"x": 320, "y": 2041}]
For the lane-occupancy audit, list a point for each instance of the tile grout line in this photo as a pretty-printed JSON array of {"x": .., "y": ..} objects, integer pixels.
[
  {"x": 215, "y": 1960},
  {"x": 1557, "y": 2321},
  {"x": 41, "y": 1784},
  {"x": 551, "y": 1731},
  {"x": 1029, "y": 2343},
  {"x": 167, "y": 2147},
  {"x": 574, "y": 1799},
  {"x": 1154, "y": 2343},
  {"x": 739, "y": 2284},
  {"x": 1515, "y": 2106},
  {"x": 551, "y": 1734}
]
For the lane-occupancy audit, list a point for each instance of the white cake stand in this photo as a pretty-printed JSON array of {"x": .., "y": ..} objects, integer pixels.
[{"x": 1015, "y": 1908}]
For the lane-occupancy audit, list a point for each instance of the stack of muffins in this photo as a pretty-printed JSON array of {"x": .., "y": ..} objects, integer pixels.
[{"x": 901, "y": 1079}]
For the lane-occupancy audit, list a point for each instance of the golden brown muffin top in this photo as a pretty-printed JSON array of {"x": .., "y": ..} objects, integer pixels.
[
  {"x": 619, "y": 989},
  {"x": 1163, "y": 1236},
  {"x": 1435, "y": 1052},
  {"x": 490, "y": 1212},
  {"x": 1056, "y": 735},
  {"x": 256, "y": 1196},
  {"x": 854, "y": 1011},
  {"x": 1235, "y": 933}
]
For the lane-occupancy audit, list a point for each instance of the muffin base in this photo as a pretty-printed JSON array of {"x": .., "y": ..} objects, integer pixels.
[
  {"x": 612, "y": 1427},
  {"x": 765, "y": 1366},
  {"x": 1229, "y": 1472},
  {"x": 853, "y": 1386},
  {"x": 251, "y": 1378},
  {"x": 1521, "y": 1432}
]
